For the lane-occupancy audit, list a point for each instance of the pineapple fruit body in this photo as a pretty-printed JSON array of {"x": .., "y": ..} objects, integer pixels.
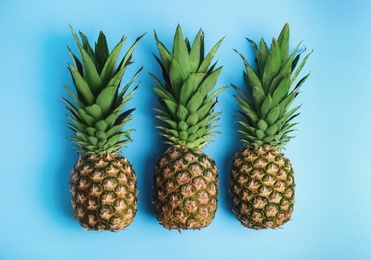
[
  {"x": 185, "y": 182},
  {"x": 104, "y": 192},
  {"x": 103, "y": 183},
  {"x": 262, "y": 180},
  {"x": 185, "y": 189},
  {"x": 262, "y": 187}
]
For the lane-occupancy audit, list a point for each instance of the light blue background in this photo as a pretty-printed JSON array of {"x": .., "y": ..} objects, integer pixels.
[{"x": 330, "y": 154}]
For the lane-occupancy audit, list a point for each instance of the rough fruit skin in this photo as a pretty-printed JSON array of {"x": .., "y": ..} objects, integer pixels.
[
  {"x": 104, "y": 194},
  {"x": 185, "y": 189},
  {"x": 262, "y": 188}
]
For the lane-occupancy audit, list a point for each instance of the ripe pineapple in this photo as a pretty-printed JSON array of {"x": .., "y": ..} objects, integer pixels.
[
  {"x": 103, "y": 183},
  {"x": 185, "y": 181},
  {"x": 262, "y": 178}
]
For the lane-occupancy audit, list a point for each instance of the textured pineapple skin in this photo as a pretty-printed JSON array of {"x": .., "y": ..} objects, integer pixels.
[
  {"x": 185, "y": 189},
  {"x": 104, "y": 193},
  {"x": 262, "y": 188}
]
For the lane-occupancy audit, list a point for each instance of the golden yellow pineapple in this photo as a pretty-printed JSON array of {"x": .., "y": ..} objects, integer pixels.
[
  {"x": 185, "y": 181},
  {"x": 262, "y": 179},
  {"x": 103, "y": 183}
]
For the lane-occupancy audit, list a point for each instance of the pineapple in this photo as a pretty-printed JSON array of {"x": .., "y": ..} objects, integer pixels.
[
  {"x": 103, "y": 183},
  {"x": 262, "y": 178},
  {"x": 185, "y": 181}
]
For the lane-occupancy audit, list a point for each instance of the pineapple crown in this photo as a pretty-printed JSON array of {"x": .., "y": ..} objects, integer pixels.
[
  {"x": 96, "y": 116},
  {"x": 186, "y": 97},
  {"x": 266, "y": 117}
]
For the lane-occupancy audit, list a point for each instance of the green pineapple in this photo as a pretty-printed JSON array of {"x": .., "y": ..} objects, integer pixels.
[
  {"x": 262, "y": 179},
  {"x": 185, "y": 181},
  {"x": 103, "y": 183}
]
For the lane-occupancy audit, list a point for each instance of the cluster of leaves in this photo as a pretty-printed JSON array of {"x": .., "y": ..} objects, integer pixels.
[
  {"x": 186, "y": 96},
  {"x": 96, "y": 116},
  {"x": 266, "y": 117}
]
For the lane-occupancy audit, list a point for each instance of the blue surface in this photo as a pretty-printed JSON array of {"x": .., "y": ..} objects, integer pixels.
[{"x": 330, "y": 154}]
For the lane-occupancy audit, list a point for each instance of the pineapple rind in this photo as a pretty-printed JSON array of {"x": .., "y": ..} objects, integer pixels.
[
  {"x": 185, "y": 189},
  {"x": 262, "y": 187},
  {"x": 104, "y": 193}
]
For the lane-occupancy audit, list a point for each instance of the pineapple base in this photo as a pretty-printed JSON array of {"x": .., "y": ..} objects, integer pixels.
[
  {"x": 262, "y": 188},
  {"x": 185, "y": 189},
  {"x": 104, "y": 193}
]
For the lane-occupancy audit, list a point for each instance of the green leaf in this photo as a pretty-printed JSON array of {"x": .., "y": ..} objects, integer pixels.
[
  {"x": 195, "y": 53},
  {"x": 125, "y": 116},
  {"x": 246, "y": 127},
  {"x": 124, "y": 89},
  {"x": 88, "y": 119},
  {"x": 74, "y": 111},
  {"x": 172, "y": 107},
  {"x": 259, "y": 134},
  {"x": 197, "y": 99},
  {"x": 127, "y": 57},
  {"x": 92, "y": 140},
  {"x": 192, "y": 119},
  {"x": 101, "y": 51},
  {"x": 76, "y": 61},
  {"x": 101, "y": 125},
  {"x": 180, "y": 53},
  {"x": 182, "y": 126},
  {"x": 82, "y": 136},
  {"x": 286, "y": 102},
  {"x": 271, "y": 131},
  {"x": 283, "y": 42},
  {"x": 90, "y": 131},
  {"x": 273, "y": 116},
  {"x": 205, "y": 109},
  {"x": 168, "y": 121},
  {"x": 258, "y": 96},
  {"x": 254, "y": 82},
  {"x": 109, "y": 68},
  {"x": 82, "y": 86},
  {"x": 88, "y": 60},
  {"x": 193, "y": 129},
  {"x": 282, "y": 90},
  {"x": 247, "y": 111},
  {"x": 272, "y": 66},
  {"x": 164, "y": 54},
  {"x": 78, "y": 123},
  {"x": 262, "y": 125},
  {"x": 182, "y": 113},
  {"x": 301, "y": 82},
  {"x": 105, "y": 99},
  {"x": 190, "y": 86},
  {"x": 242, "y": 95},
  {"x": 94, "y": 111},
  {"x": 74, "y": 98},
  {"x": 266, "y": 107},
  {"x": 162, "y": 93},
  {"x": 183, "y": 135},
  {"x": 214, "y": 94},
  {"x": 101, "y": 135},
  {"x": 111, "y": 119},
  {"x": 264, "y": 51},
  {"x": 177, "y": 77},
  {"x": 297, "y": 71},
  {"x": 209, "y": 57},
  {"x": 259, "y": 58},
  {"x": 86, "y": 46}
]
